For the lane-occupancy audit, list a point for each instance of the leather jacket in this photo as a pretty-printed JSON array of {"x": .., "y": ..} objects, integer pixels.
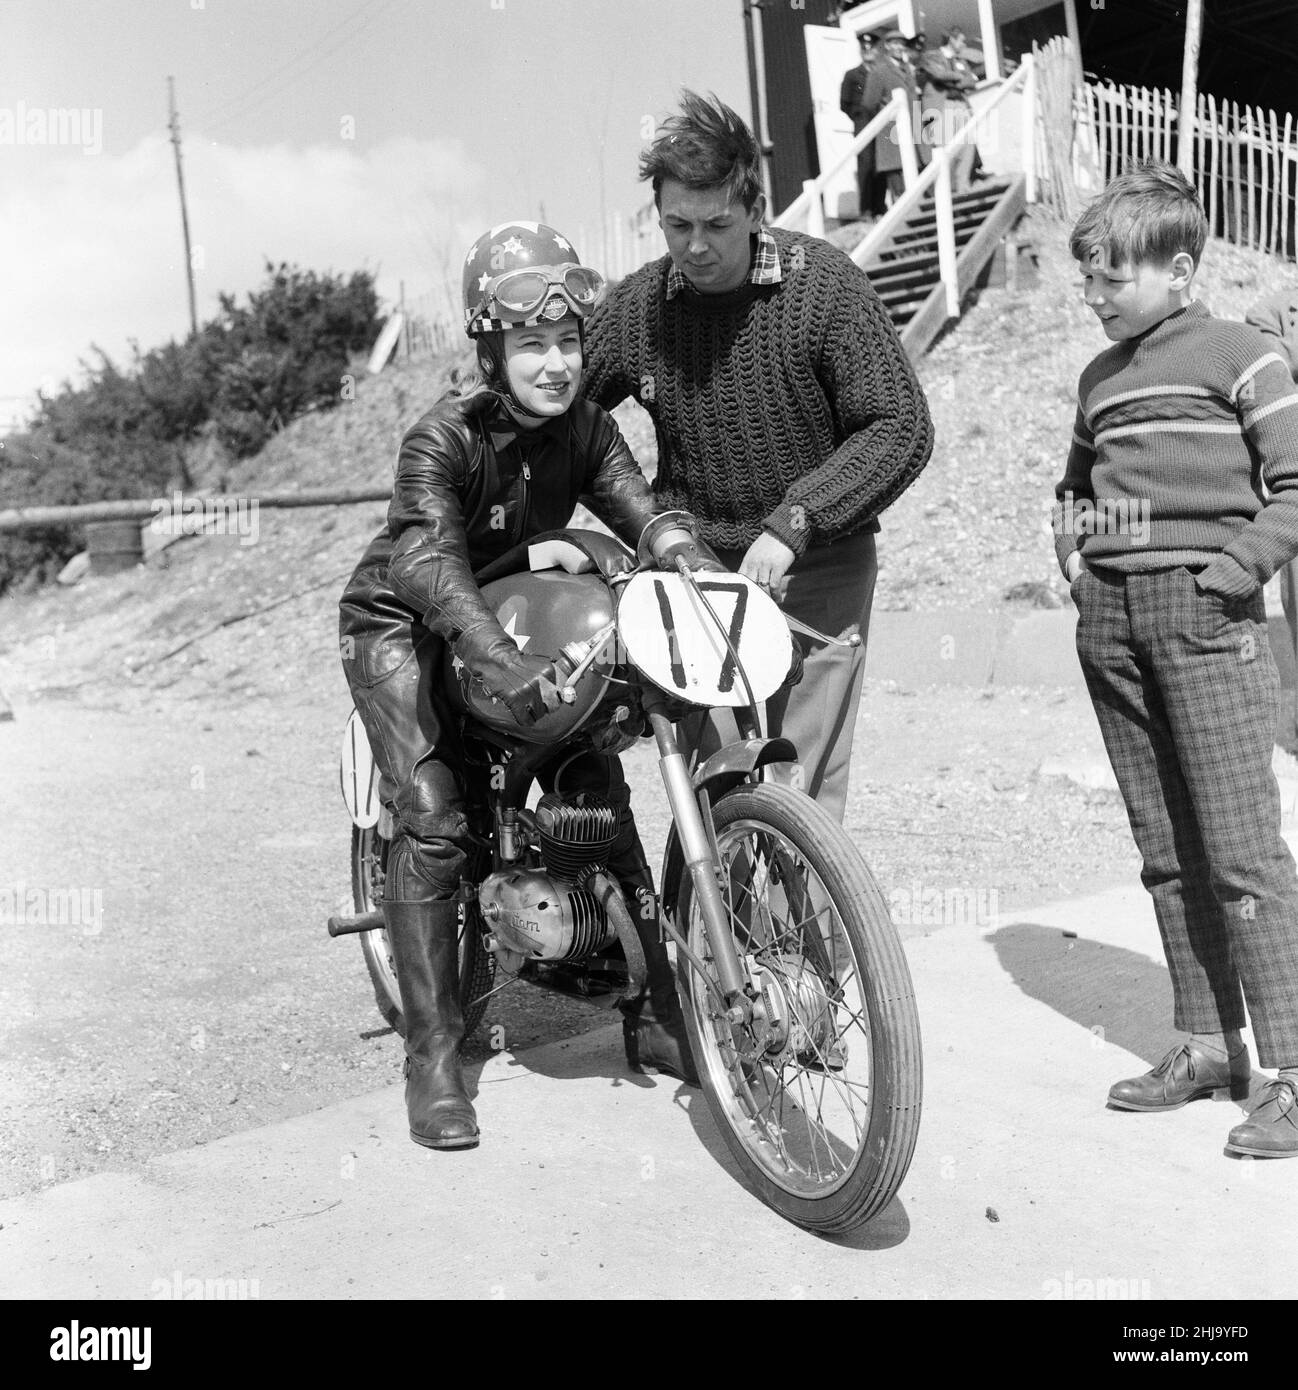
[{"x": 470, "y": 485}]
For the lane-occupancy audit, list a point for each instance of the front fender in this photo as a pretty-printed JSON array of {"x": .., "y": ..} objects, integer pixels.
[{"x": 736, "y": 761}]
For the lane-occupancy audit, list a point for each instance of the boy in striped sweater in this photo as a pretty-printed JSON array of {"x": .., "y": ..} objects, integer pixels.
[{"x": 1162, "y": 529}]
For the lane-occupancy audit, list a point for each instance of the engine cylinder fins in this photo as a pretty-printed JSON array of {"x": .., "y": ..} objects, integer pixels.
[
  {"x": 590, "y": 928},
  {"x": 576, "y": 832}
]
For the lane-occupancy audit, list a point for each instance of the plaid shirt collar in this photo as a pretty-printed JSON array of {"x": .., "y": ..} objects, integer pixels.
[{"x": 765, "y": 268}]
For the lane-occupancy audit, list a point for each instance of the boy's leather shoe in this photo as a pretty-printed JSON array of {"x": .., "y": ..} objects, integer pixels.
[
  {"x": 1185, "y": 1074},
  {"x": 1271, "y": 1131}
]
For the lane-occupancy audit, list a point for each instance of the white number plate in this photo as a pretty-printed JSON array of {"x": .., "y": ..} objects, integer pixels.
[{"x": 671, "y": 636}]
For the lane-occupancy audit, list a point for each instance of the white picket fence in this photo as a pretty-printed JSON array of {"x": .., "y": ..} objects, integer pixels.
[{"x": 1245, "y": 158}]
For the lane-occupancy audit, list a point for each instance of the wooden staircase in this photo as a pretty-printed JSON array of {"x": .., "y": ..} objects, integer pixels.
[{"x": 904, "y": 271}]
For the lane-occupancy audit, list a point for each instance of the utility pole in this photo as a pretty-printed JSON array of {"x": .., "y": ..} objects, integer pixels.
[
  {"x": 1189, "y": 89},
  {"x": 184, "y": 214}
]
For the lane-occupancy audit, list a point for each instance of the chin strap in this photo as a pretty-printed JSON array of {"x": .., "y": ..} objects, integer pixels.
[{"x": 513, "y": 403}]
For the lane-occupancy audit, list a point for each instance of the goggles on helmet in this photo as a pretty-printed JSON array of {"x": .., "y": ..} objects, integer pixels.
[{"x": 538, "y": 293}]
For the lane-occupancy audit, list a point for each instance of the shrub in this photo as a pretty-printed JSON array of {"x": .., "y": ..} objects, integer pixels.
[{"x": 245, "y": 374}]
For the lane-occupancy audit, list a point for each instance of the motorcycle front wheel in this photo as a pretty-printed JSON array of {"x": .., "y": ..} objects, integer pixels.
[
  {"x": 818, "y": 1098},
  {"x": 477, "y": 965}
]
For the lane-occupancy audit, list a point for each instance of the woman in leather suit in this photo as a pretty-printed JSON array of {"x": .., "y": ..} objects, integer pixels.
[{"x": 486, "y": 468}]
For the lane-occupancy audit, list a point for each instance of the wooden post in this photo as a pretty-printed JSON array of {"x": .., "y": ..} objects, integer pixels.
[
  {"x": 990, "y": 40},
  {"x": 1284, "y": 186},
  {"x": 1189, "y": 88},
  {"x": 815, "y": 209},
  {"x": 905, "y": 132},
  {"x": 1074, "y": 39},
  {"x": 1029, "y": 135},
  {"x": 946, "y": 248},
  {"x": 1235, "y": 136}
]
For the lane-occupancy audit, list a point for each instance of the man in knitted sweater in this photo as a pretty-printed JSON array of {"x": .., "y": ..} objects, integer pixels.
[
  {"x": 786, "y": 412},
  {"x": 1162, "y": 528}
]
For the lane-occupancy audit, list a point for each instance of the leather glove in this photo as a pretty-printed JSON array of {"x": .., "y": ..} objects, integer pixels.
[
  {"x": 676, "y": 533},
  {"x": 526, "y": 685}
]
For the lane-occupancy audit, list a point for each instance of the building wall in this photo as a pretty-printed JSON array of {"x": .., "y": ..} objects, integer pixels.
[{"x": 788, "y": 95}]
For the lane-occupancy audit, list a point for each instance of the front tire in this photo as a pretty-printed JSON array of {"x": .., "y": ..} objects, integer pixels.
[
  {"x": 818, "y": 1099},
  {"x": 477, "y": 965}
]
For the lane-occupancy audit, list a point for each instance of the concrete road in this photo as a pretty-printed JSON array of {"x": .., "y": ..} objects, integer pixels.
[{"x": 593, "y": 1183}]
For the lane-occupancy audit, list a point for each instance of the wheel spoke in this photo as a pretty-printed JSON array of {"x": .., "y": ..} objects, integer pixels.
[{"x": 796, "y": 1090}]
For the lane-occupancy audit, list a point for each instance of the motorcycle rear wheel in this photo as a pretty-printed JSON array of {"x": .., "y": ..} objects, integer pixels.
[
  {"x": 819, "y": 1099},
  {"x": 477, "y": 965}
]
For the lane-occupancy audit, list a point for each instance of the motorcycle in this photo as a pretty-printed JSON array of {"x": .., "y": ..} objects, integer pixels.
[{"x": 797, "y": 998}]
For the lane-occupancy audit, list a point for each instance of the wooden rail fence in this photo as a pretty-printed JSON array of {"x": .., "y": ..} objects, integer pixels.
[{"x": 142, "y": 509}]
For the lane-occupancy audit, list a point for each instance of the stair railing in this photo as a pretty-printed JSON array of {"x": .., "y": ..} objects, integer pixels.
[
  {"x": 937, "y": 176},
  {"x": 808, "y": 206}
]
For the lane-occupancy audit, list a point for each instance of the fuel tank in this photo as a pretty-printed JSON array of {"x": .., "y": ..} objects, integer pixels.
[{"x": 548, "y": 614}]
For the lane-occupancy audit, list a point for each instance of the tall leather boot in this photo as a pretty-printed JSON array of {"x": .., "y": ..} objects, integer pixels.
[
  {"x": 653, "y": 1026},
  {"x": 423, "y": 937}
]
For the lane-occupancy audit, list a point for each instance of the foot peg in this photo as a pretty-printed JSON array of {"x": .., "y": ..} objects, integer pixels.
[{"x": 342, "y": 925}]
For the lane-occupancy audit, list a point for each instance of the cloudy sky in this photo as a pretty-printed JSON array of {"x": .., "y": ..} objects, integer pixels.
[{"x": 335, "y": 134}]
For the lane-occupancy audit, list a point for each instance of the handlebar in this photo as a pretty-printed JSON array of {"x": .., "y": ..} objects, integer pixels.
[{"x": 568, "y": 690}]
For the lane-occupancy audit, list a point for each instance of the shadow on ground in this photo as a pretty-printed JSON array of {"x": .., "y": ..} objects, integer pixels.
[
  {"x": 888, "y": 1229},
  {"x": 1120, "y": 996}
]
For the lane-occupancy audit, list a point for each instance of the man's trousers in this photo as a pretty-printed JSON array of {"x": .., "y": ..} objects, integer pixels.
[{"x": 831, "y": 588}]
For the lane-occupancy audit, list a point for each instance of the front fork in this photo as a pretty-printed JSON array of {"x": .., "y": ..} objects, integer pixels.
[{"x": 698, "y": 848}]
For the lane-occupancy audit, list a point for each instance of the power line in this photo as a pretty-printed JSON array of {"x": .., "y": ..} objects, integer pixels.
[
  {"x": 228, "y": 107},
  {"x": 283, "y": 83}
]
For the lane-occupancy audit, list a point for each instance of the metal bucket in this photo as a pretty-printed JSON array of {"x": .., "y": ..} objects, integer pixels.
[{"x": 114, "y": 546}]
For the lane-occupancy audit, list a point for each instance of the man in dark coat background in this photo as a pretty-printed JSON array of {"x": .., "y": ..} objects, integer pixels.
[
  {"x": 947, "y": 79},
  {"x": 890, "y": 71},
  {"x": 851, "y": 101}
]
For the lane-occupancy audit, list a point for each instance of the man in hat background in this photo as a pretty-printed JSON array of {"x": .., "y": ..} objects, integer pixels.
[
  {"x": 946, "y": 79},
  {"x": 851, "y": 101},
  {"x": 890, "y": 71}
]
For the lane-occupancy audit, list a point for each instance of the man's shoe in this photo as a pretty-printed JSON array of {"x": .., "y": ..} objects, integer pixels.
[
  {"x": 1271, "y": 1131},
  {"x": 1185, "y": 1074}
]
